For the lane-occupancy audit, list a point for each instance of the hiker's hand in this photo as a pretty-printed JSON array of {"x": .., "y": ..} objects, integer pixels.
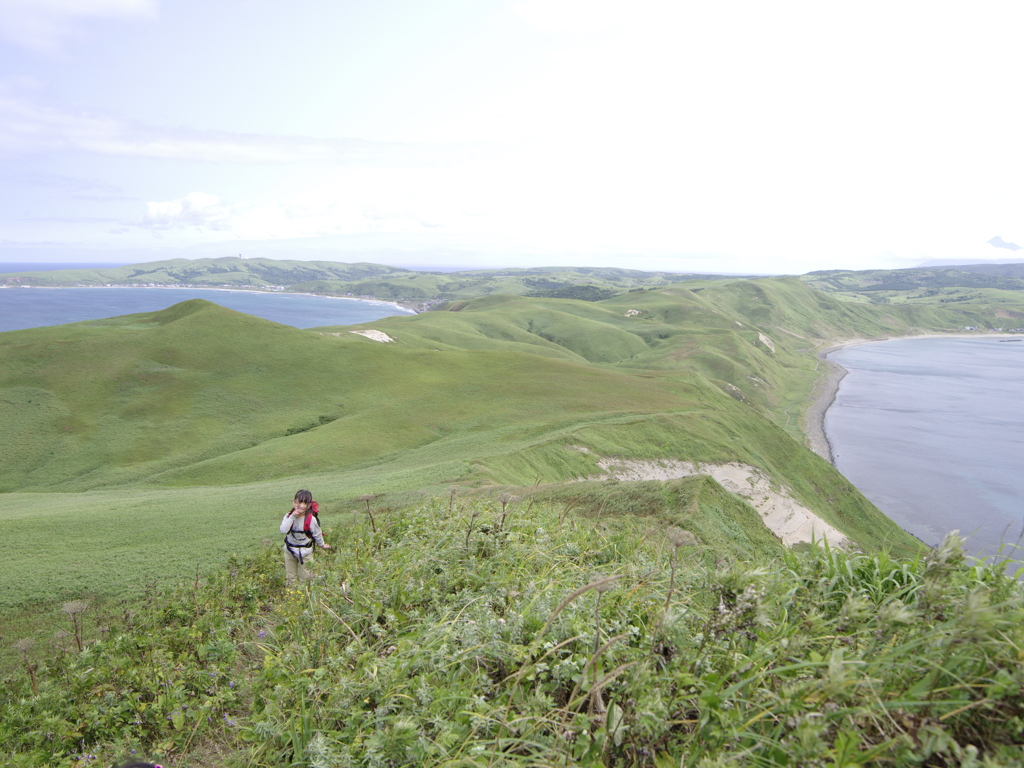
[{"x": 326, "y": 546}]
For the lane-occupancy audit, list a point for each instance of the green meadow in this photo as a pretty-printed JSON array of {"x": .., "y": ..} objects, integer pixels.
[
  {"x": 190, "y": 428},
  {"x": 148, "y": 459}
]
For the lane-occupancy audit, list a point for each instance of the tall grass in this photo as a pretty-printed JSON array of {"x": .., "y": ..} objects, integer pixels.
[{"x": 551, "y": 639}]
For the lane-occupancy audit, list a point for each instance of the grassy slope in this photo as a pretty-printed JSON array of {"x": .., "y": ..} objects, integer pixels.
[
  {"x": 711, "y": 329},
  {"x": 172, "y": 397},
  {"x": 170, "y": 411},
  {"x": 180, "y": 433}
]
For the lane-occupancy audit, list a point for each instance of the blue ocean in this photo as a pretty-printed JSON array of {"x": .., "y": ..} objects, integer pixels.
[
  {"x": 36, "y": 307},
  {"x": 932, "y": 431}
]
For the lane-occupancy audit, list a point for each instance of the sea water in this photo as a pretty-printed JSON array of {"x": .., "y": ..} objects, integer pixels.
[
  {"x": 35, "y": 307},
  {"x": 932, "y": 431}
]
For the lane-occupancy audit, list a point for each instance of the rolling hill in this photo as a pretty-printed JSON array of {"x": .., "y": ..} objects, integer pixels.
[
  {"x": 573, "y": 552},
  {"x": 986, "y": 284},
  {"x": 965, "y": 284},
  {"x": 199, "y": 404}
]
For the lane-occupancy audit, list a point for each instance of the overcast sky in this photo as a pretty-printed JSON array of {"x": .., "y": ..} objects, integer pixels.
[{"x": 711, "y": 136}]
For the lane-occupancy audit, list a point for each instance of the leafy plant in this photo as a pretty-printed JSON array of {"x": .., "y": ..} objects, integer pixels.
[{"x": 551, "y": 645}]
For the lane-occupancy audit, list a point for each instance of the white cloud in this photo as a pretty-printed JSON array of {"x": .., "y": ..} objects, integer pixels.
[
  {"x": 43, "y": 25},
  {"x": 325, "y": 203},
  {"x": 195, "y": 210}
]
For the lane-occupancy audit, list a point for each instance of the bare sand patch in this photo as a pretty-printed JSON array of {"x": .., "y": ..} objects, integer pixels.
[
  {"x": 787, "y": 518},
  {"x": 766, "y": 341},
  {"x": 375, "y": 335}
]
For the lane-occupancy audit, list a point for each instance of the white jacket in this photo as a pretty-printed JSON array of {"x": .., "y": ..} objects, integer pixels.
[{"x": 298, "y": 543}]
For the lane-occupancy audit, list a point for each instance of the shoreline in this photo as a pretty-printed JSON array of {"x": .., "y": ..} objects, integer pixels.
[
  {"x": 397, "y": 305},
  {"x": 826, "y": 388}
]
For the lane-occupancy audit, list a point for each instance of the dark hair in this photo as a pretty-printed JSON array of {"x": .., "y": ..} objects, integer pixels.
[
  {"x": 138, "y": 764},
  {"x": 304, "y": 497}
]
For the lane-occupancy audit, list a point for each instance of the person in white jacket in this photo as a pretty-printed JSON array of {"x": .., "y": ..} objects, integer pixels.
[{"x": 302, "y": 531}]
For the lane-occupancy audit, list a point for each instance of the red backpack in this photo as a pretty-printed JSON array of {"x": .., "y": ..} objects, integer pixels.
[{"x": 314, "y": 511}]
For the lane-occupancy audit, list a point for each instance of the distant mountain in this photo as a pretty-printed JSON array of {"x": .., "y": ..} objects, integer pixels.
[
  {"x": 960, "y": 262},
  {"x": 1004, "y": 267},
  {"x": 1014, "y": 269},
  {"x": 419, "y": 289},
  {"x": 960, "y": 284}
]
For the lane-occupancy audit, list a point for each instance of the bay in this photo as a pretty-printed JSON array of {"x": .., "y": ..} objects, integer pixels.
[
  {"x": 932, "y": 432},
  {"x": 36, "y": 307}
]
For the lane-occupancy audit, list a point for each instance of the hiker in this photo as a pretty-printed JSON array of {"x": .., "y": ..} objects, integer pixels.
[{"x": 301, "y": 527}]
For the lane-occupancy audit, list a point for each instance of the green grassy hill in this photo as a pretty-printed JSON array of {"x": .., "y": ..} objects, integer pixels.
[
  {"x": 161, "y": 447},
  {"x": 225, "y": 411},
  {"x": 198, "y": 406},
  {"x": 754, "y": 339},
  {"x": 984, "y": 284}
]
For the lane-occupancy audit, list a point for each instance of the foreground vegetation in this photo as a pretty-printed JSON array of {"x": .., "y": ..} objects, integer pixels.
[{"x": 506, "y": 631}]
